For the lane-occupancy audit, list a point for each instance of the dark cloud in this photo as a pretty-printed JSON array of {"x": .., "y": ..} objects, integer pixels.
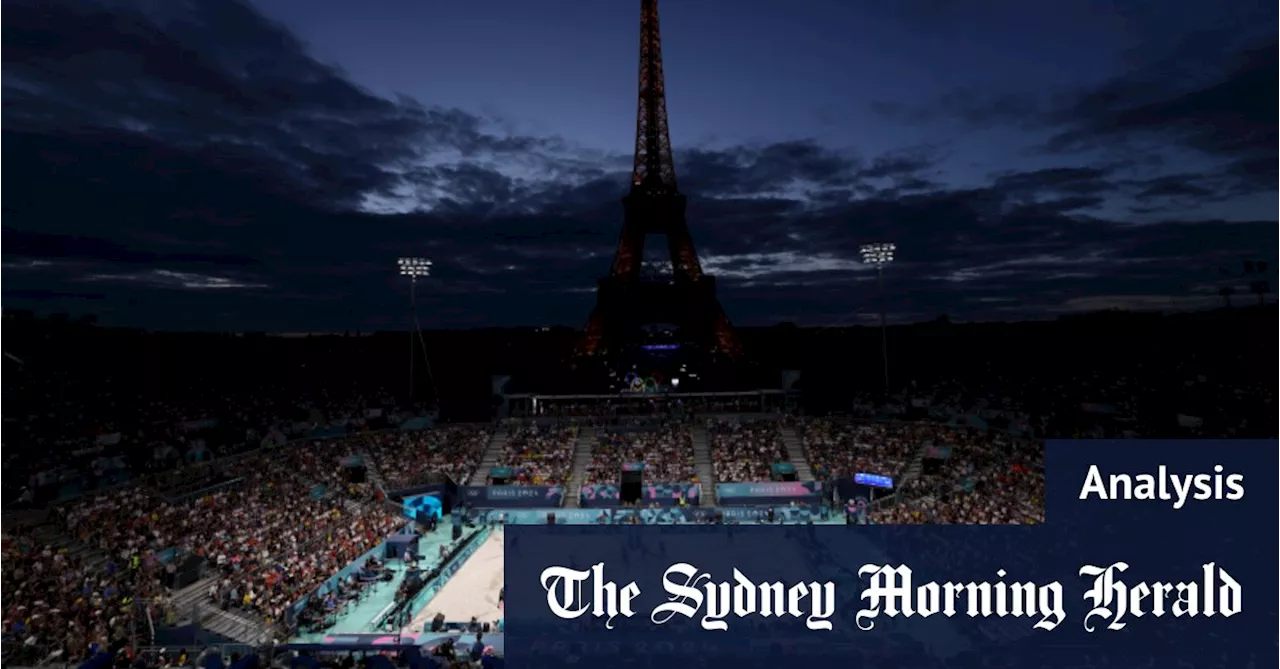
[
  {"x": 1210, "y": 99},
  {"x": 1173, "y": 186},
  {"x": 219, "y": 80},
  {"x": 751, "y": 170},
  {"x": 1231, "y": 116},
  {"x": 46, "y": 295},
  {"x": 214, "y": 78},
  {"x": 66, "y": 247},
  {"x": 189, "y": 165},
  {"x": 975, "y": 108},
  {"x": 897, "y": 166},
  {"x": 1073, "y": 180}
]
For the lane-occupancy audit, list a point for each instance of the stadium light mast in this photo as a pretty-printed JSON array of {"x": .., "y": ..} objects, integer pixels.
[
  {"x": 414, "y": 268},
  {"x": 878, "y": 255}
]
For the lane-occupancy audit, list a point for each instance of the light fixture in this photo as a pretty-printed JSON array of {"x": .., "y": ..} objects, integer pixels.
[
  {"x": 414, "y": 267},
  {"x": 880, "y": 253}
]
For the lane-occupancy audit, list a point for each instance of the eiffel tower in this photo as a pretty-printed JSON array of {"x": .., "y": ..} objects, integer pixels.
[{"x": 625, "y": 299}]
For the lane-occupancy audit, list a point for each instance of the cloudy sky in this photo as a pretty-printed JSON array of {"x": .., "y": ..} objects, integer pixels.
[{"x": 260, "y": 165}]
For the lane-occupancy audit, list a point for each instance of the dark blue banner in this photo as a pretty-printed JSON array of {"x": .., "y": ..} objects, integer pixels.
[
  {"x": 1153, "y": 554},
  {"x": 499, "y": 496},
  {"x": 662, "y": 494},
  {"x": 769, "y": 492}
]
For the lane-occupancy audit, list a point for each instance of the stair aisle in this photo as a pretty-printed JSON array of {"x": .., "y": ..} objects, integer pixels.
[
  {"x": 497, "y": 443},
  {"x": 371, "y": 468},
  {"x": 583, "y": 448},
  {"x": 702, "y": 465},
  {"x": 913, "y": 470},
  {"x": 233, "y": 625},
  {"x": 795, "y": 452},
  {"x": 185, "y": 601}
]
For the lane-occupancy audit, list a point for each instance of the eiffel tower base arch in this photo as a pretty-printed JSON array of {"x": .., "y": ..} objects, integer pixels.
[{"x": 624, "y": 307}]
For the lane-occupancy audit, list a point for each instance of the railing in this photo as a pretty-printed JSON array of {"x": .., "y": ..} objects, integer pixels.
[
  {"x": 251, "y": 449},
  {"x": 180, "y": 496},
  {"x": 433, "y": 479},
  {"x": 237, "y": 627},
  {"x": 151, "y": 623}
]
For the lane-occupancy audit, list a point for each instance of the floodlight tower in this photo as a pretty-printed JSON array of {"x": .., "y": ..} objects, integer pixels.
[
  {"x": 414, "y": 268},
  {"x": 879, "y": 255}
]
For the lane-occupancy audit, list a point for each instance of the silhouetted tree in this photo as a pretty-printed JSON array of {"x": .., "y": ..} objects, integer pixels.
[
  {"x": 1226, "y": 292},
  {"x": 1259, "y": 289}
]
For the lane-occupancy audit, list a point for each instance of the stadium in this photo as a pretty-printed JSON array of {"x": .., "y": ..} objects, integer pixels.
[
  {"x": 312, "y": 514},
  {"x": 243, "y": 498}
]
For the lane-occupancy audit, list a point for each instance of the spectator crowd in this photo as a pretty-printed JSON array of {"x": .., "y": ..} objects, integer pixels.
[
  {"x": 839, "y": 449},
  {"x": 405, "y": 459},
  {"x": 275, "y": 535},
  {"x": 990, "y": 480},
  {"x": 666, "y": 454},
  {"x": 270, "y": 536},
  {"x": 963, "y": 475},
  {"x": 539, "y": 454},
  {"x": 65, "y": 604},
  {"x": 745, "y": 450}
]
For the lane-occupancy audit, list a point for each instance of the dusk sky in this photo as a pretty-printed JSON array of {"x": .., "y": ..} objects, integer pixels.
[{"x": 216, "y": 164}]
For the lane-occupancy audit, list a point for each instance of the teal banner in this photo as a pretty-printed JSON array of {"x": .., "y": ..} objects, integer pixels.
[
  {"x": 501, "y": 472},
  {"x": 768, "y": 493},
  {"x": 783, "y": 468}
]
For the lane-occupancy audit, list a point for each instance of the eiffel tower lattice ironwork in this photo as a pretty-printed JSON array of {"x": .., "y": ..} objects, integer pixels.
[{"x": 625, "y": 301}]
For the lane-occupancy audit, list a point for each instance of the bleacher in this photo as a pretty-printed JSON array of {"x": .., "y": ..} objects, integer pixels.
[
  {"x": 538, "y": 454},
  {"x": 665, "y": 453},
  {"x": 408, "y": 458},
  {"x": 745, "y": 450}
]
